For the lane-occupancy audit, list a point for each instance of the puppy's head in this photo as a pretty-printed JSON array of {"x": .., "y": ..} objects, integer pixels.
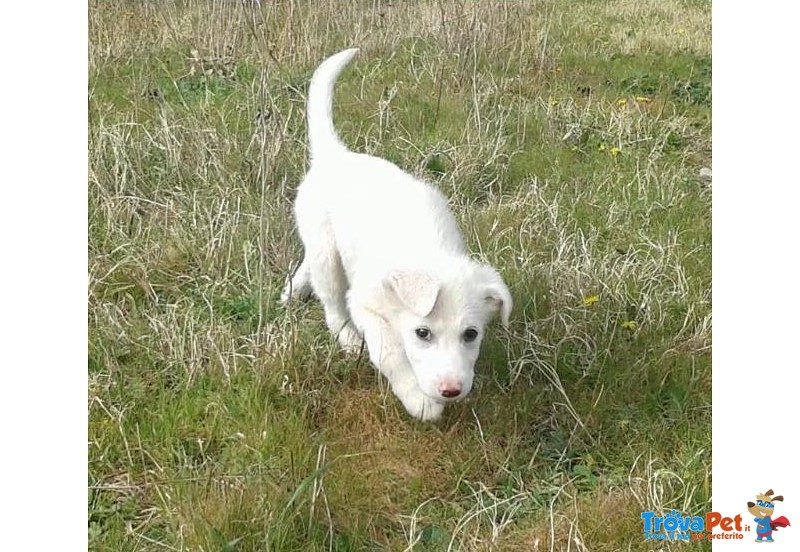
[{"x": 440, "y": 318}]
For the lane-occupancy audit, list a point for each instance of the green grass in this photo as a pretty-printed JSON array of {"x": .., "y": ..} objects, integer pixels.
[{"x": 569, "y": 137}]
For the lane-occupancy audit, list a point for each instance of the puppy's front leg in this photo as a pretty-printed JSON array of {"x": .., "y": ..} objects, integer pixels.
[
  {"x": 386, "y": 353},
  {"x": 405, "y": 386}
]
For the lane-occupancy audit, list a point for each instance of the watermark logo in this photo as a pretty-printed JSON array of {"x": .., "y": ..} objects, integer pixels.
[
  {"x": 762, "y": 510},
  {"x": 676, "y": 526},
  {"x": 672, "y": 526},
  {"x": 716, "y": 526}
]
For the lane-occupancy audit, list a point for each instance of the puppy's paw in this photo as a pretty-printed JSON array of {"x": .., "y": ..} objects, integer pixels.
[
  {"x": 421, "y": 406},
  {"x": 350, "y": 340}
]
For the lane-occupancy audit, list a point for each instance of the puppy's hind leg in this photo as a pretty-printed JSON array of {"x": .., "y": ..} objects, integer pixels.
[
  {"x": 322, "y": 266},
  {"x": 299, "y": 285},
  {"x": 329, "y": 282}
]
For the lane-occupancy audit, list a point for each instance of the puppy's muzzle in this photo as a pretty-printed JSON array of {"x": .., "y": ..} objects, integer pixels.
[{"x": 450, "y": 390}]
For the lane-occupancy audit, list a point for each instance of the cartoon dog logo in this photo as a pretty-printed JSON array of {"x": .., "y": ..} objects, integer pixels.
[{"x": 762, "y": 510}]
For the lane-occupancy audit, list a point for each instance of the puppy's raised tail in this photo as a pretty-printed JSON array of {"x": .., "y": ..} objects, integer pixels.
[{"x": 322, "y": 137}]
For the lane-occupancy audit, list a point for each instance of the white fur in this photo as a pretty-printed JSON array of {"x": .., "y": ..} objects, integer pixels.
[{"x": 384, "y": 255}]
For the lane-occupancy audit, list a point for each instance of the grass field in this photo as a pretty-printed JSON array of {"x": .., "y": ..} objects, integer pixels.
[{"x": 570, "y": 138}]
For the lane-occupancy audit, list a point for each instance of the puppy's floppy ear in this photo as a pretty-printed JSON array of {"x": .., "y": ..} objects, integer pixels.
[
  {"x": 495, "y": 292},
  {"x": 416, "y": 290}
]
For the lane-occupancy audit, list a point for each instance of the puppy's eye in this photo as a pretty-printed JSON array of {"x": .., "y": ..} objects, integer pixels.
[
  {"x": 423, "y": 333},
  {"x": 470, "y": 334}
]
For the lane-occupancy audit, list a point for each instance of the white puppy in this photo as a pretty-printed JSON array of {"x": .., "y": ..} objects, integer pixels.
[{"x": 384, "y": 255}]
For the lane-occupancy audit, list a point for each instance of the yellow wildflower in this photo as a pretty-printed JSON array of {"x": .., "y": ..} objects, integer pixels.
[
  {"x": 622, "y": 101},
  {"x": 629, "y": 325},
  {"x": 602, "y": 147},
  {"x": 614, "y": 151},
  {"x": 591, "y": 300},
  {"x": 554, "y": 102},
  {"x": 642, "y": 99}
]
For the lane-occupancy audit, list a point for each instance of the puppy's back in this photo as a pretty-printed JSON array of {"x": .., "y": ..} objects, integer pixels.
[{"x": 377, "y": 209}]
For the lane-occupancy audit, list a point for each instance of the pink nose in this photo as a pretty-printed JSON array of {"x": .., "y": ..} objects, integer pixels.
[{"x": 449, "y": 390}]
